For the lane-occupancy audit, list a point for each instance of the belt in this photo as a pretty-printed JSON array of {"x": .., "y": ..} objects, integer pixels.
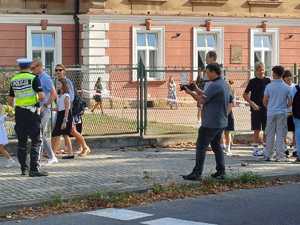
[{"x": 32, "y": 109}]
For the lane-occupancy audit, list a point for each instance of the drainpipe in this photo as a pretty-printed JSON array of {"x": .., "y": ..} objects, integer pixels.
[{"x": 77, "y": 31}]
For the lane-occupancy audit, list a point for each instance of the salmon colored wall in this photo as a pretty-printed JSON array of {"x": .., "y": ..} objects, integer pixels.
[
  {"x": 179, "y": 52},
  {"x": 13, "y": 43}
]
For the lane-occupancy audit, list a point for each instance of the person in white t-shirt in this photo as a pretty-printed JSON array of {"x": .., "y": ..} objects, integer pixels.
[
  {"x": 288, "y": 79},
  {"x": 63, "y": 124}
]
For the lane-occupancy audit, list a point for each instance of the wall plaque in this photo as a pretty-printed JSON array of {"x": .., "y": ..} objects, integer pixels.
[{"x": 236, "y": 54}]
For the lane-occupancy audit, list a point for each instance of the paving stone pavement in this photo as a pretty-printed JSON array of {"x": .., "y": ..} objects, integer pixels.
[{"x": 118, "y": 170}]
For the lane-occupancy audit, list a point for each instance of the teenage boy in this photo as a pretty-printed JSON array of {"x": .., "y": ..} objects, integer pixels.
[
  {"x": 276, "y": 100},
  {"x": 288, "y": 79},
  {"x": 254, "y": 94}
]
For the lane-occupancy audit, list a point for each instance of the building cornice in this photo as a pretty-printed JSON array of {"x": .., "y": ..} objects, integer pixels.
[
  {"x": 35, "y": 19},
  {"x": 183, "y": 20}
]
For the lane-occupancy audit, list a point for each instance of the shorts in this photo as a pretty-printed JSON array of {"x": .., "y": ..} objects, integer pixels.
[
  {"x": 230, "y": 126},
  {"x": 258, "y": 120},
  {"x": 98, "y": 98},
  {"x": 290, "y": 123}
]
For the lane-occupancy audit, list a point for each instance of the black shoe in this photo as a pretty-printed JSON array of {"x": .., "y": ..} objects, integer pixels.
[
  {"x": 24, "y": 172},
  {"x": 38, "y": 174},
  {"x": 68, "y": 157},
  {"x": 220, "y": 175},
  {"x": 192, "y": 176},
  {"x": 295, "y": 154},
  {"x": 287, "y": 153}
]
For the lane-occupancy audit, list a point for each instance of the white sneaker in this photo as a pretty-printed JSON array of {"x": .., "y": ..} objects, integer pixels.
[
  {"x": 227, "y": 150},
  {"x": 52, "y": 161},
  {"x": 258, "y": 152},
  {"x": 11, "y": 163}
]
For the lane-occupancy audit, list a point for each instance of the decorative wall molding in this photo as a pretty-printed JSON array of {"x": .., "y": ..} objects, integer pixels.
[
  {"x": 148, "y": 1},
  {"x": 186, "y": 20},
  {"x": 35, "y": 19},
  {"x": 263, "y": 3},
  {"x": 208, "y": 2}
]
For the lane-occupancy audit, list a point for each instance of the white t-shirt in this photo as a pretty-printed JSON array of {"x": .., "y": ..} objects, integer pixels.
[
  {"x": 290, "y": 109},
  {"x": 61, "y": 101}
]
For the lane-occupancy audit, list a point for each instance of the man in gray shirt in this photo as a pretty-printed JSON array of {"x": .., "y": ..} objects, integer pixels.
[
  {"x": 215, "y": 101},
  {"x": 276, "y": 100}
]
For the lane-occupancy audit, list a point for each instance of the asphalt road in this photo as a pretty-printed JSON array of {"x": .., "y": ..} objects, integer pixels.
[{"x": 270, "y": 206}]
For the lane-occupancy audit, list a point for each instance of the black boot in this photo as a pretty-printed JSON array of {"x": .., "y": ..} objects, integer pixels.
[
  {"x": 220, "y": 175},
  {"x": 37, "y": 173},
  {"x": 192, "y": 176}
]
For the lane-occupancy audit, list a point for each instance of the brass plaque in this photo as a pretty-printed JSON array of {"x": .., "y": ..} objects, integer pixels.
[{"x": 236, "y": 54}]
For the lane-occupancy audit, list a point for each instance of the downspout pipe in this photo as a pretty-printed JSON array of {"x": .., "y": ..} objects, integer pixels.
[{"x": 77, "y": 31}]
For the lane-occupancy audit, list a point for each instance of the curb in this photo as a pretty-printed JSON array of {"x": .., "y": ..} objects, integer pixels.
[
  {"x": 11, "y": 208},
  {"x": 122, "y": 141}
]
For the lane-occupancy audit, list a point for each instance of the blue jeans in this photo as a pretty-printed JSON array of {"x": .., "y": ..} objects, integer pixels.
[
  {"x": 297, "y": 135},
  {"x": 208, "y": 136}
]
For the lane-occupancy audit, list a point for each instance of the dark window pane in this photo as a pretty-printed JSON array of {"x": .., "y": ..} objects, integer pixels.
[{"x": 36, "y": 54}]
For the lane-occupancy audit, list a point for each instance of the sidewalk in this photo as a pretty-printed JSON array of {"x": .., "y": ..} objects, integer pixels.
[{"x": 121, "y": 170}]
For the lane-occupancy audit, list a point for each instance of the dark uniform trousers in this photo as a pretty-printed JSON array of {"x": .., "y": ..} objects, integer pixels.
[{"x": 28, "y": 124}]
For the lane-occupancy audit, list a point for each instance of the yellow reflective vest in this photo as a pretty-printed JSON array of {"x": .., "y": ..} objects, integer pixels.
[{"x": 21, "y": 84}]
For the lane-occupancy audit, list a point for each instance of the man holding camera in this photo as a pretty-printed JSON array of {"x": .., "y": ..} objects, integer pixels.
[{"x": 215, "y": 101}]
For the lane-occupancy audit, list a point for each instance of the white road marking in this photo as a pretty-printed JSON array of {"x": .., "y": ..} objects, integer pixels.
[
  {"x": 172, "y": 221},
  {"x": 119, "y": 214}
]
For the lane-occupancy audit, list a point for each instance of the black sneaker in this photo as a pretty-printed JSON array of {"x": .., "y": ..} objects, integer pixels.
[
  {"x": 24, "y": 172},
  {"x": 295, "y": 154},
  {"x": 220, "y": 175},
  {"x": 68, "y": 157},
  {"x": 192, "y": 176},
  {"x": 38, "y": 174},
  {"x": 287, "y": 153}
]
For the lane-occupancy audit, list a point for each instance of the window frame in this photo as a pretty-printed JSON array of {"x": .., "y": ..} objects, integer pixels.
[
  {"x": 57, "y": 42},
  {"x": 219, "y": 31},
  {"x": 275, "y": 34},
  {"x": 160, "y": 49}
]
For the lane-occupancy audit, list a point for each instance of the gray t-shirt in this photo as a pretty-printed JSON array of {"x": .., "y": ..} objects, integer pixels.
[
  {"x": 214, "y": 114},
  {"x": 279, "y": 94}
]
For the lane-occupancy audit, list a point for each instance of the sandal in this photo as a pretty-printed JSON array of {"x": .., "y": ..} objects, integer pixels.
[{"x": 85, "y": 151}]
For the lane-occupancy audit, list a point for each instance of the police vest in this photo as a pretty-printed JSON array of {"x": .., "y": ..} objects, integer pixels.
[{"x": 21, "y": 84}]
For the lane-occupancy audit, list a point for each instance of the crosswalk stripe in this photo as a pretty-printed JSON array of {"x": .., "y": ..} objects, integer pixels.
[
  {"x": 173, "y": 221},
  {"x": 119, "y": 214}
]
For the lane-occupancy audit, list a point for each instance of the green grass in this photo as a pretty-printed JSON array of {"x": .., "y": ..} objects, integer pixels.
[{"x": 97, "y": 124}]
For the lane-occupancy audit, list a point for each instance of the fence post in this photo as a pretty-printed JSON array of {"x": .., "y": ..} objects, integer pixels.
[
  {"x": 296, "y": 78},
  {"x": 141, "y": 77},
  {"x": 145, "y": 101}
]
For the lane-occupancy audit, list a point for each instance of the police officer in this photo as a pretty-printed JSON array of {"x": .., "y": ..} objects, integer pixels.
[{"x": 25, "y": 94}]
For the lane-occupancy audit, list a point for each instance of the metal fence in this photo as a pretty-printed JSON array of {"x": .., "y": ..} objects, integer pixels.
[{"x": 137, "y": 100}]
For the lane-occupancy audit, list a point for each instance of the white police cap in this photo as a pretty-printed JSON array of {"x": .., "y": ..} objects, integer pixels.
[{"x": 23, "y": 62}]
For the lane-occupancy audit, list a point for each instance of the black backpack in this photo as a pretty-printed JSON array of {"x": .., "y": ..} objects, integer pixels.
[
  {"x": 79, "y": 106},
  {"x": 296, "y": 103}
]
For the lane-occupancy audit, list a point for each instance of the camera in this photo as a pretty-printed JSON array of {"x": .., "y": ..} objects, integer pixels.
[{"x": 191, "y": 86}]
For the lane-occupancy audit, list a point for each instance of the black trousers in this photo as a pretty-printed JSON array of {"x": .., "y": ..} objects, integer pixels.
[
  {"x": 208, "y": 136},
  {"x": 28, "y": 124}
]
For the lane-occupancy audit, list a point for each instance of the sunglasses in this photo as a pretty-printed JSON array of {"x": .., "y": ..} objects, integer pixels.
[{"x": 58, "y": 70}]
